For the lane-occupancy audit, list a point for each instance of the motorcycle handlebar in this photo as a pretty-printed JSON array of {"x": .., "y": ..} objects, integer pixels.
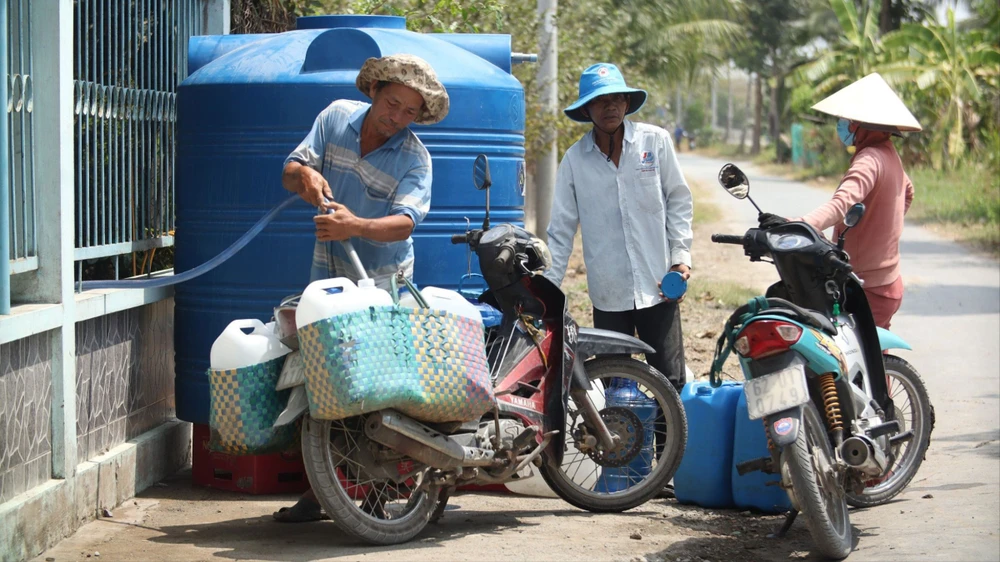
[
  {"x": 504, "y": 257},
  {"x": 460, "y": 238},
  {"x": 728, "y": 239},
  {"x": 838, "y": 263}
]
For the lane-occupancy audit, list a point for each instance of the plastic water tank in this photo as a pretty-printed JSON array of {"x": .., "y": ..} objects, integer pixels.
[
  {"x": 625, "y": 393},
  {"x": 250, "y": 100},
  {"x": 704, "y": 475},
  {"x": 754, "y": 490}
]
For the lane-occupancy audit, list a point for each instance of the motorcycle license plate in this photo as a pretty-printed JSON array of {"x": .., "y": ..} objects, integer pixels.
[{"x": 778, "y": 391}]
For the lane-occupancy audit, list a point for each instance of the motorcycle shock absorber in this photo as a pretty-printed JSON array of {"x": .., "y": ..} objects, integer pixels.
[{"x": 831, "y": 407}]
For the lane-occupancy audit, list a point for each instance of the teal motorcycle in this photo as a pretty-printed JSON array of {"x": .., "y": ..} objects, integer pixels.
[{"x": 847, "y": 423}]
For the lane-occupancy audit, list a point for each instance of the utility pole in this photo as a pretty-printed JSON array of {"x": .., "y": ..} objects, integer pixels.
[
  {"x": 729, "y": 105},
  {"x": 548, "y": 84},
  {"x": 715, "y": 103}
]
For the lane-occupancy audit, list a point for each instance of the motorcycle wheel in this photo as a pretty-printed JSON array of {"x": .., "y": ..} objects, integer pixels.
[
  {"x": 821, "y": 499},
  {"x": 578, "y": 479},
  {"x": 914, "y": 411},
  {"x": 377, "y": 511}
]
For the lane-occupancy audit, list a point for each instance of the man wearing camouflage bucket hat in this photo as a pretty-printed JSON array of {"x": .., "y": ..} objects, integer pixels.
[
  {"x": 372, "y": 175},
  {"x": 363, "y": 165}
]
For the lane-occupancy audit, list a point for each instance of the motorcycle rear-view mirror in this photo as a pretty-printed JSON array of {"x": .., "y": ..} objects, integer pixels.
[
  {"x": 481, "y": 173},
  {"x": 854, "y": 215},
  {"x": 482, "y": 181},
  {"x": 734, "y": 181}
]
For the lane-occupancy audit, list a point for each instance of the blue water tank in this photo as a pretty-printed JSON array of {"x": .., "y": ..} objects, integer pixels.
[
  {"x": 703, "y": 477},
  {"x": 754, "y": 490},
  {"x": 248, "y": 103}
]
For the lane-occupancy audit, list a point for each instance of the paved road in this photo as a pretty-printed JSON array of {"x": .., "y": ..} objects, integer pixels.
[{"x": 951, "y": 317}]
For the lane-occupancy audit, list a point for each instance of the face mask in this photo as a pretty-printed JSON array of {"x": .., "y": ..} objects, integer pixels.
[{"x": 843, "y": 131}]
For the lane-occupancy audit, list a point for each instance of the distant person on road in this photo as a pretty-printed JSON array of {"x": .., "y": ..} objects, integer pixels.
[
  {"x": 622, "y": 185},
  {"x": 678, "y": 136},
  {"x": 870, "y": 114}
]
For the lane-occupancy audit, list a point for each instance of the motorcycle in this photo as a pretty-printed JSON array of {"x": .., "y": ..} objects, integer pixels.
[
  {"x": 846, "y": 422},
  {"x": 382, "y": 477}
]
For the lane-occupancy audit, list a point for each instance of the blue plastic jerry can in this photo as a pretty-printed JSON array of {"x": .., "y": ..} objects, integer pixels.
[
  {"x": 754, "y": 490},
  {"x": 626, "y": 394},
  {"x": 703, "y": 477}
]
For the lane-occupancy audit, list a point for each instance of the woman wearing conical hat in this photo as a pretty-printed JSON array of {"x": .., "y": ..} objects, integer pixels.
[{"x": 870, "y": 113}]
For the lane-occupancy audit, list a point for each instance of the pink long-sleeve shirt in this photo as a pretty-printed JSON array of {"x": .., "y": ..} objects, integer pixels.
[{"x": 875, "y": 178}]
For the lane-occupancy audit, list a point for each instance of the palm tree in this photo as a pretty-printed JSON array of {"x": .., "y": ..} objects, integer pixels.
[
  {"x": 951, "y": 68},
  {"x": 853, "y": 55}
]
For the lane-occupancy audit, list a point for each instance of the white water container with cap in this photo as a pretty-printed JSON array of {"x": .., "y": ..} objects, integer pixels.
[
  {"x": 327, "y": 298},
  {"x": 442, "y": 299},
  {"x": 244, "y": 343}
]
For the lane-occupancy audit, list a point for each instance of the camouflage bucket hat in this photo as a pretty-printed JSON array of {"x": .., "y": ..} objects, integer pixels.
[{"x": 413, "y": 72}]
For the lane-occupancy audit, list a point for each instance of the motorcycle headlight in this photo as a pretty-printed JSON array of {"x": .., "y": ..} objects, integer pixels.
[{"x": 541, "y": 250}]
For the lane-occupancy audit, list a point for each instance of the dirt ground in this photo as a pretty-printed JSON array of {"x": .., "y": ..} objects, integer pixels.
[{"x": 174, "y": 520}]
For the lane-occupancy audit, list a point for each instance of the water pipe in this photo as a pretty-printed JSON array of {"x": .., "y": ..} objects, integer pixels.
[{"x": 153, "y": 282}]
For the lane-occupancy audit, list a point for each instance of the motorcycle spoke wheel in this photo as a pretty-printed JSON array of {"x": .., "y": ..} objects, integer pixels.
[
  {"x": 360, "y": 501},
  {"x": 819, "y": 492},
  {"x": 914, "y": 412},
  {"x": 633, "y": 472}
]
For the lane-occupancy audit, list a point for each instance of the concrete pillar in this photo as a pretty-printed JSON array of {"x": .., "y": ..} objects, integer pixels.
[
  {"x": 52, "y": 50},
  {"x": 215, "y": 16}
]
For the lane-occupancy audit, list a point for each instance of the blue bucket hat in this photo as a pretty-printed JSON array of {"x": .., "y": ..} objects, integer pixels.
[{"x": 601, "y": 79}]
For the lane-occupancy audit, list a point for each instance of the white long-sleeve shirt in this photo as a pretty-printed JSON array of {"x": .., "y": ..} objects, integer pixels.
[{"x": 635, "y": 218}]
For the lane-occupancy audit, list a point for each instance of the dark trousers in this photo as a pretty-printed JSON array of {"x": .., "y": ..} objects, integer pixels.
[{"x": 660, "y": 327}]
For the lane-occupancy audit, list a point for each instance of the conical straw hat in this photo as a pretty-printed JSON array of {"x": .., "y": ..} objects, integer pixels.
[{"x": 870, "y": 101}]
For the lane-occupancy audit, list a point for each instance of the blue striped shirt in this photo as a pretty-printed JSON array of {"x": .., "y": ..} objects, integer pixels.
[{"x": 394, "y": 179}]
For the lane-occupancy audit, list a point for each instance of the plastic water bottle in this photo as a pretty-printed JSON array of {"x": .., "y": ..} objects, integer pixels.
[
  {"x": 236, "y": 347},
  {"x": 625, "y": 393},
  {"x": 442, "y": 299},
  {"x": 327, "y": 298}
]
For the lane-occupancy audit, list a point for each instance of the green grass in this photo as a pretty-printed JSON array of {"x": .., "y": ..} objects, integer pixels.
[
  {"x": 705, "y": 212},
  {"x": 723, "y": 294},
  {"x": 965, "y": 202}
]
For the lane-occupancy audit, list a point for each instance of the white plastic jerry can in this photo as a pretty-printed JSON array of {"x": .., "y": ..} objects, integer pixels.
[
  {"x": 236, "y": 347},
  {"x": 327, "y": 298},
  {"x": 443, "y": 299}
]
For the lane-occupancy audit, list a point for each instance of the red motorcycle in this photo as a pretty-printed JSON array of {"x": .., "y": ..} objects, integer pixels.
[{"x": 606, "y": 432}]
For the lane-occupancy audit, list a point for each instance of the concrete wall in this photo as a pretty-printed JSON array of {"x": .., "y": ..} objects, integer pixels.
[
  {"x": 25, "y": 398},
  {"x": 124, "y": 376}
]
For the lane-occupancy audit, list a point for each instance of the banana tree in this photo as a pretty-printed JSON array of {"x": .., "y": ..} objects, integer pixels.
[{"x": 951, "y": 68}]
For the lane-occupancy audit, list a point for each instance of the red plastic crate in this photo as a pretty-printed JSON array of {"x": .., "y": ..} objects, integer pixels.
[{"x": 280, "y": 473}]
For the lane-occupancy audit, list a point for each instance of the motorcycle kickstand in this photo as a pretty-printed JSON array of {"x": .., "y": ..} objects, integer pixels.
[
  {"x": 783, "y": 530},
  {"x": 443, "y": 496}
]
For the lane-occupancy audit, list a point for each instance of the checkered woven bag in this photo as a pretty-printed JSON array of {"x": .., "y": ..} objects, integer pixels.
[
  {"x": 429, "y": 364},
  {"x": 244, "y": 407}
]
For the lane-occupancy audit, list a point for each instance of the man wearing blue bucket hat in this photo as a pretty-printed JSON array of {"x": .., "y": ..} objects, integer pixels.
[{"x": 622, "y": 185}]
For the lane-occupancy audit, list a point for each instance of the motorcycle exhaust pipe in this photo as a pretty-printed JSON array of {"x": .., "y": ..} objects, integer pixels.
[
  {"x": 415, "y": 440},
  {"x": 861, "y": 453}
]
